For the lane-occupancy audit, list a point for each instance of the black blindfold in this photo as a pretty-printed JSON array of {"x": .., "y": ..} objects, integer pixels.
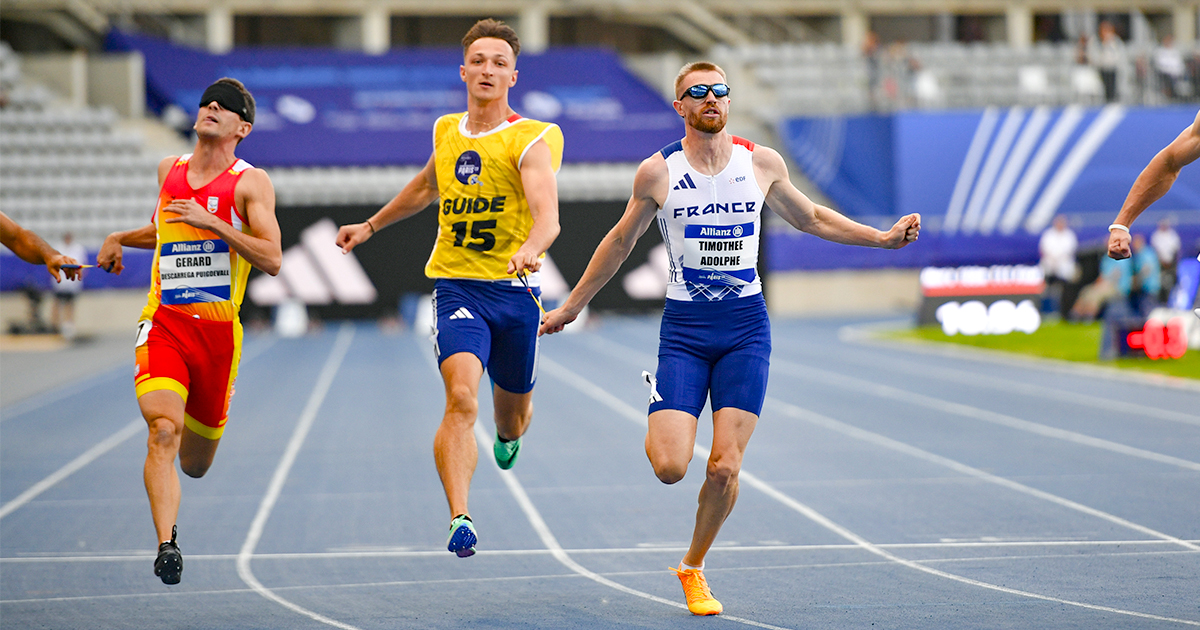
[{"x": 228, "y": 97}]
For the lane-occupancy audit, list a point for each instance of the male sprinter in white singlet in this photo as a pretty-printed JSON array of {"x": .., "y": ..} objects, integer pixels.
[
  {"x": 707, "y": 192},
  {"x": 493, "y": 171}
]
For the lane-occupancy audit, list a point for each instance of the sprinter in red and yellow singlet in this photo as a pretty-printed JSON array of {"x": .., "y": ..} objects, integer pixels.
[{"x": 215, "y": 219}]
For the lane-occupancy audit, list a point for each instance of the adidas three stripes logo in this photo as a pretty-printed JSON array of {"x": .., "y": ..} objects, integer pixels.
[{"x": 685, "y": 183}]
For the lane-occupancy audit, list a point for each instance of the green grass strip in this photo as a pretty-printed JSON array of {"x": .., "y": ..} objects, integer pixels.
[{"x": 1058, "y": 340}]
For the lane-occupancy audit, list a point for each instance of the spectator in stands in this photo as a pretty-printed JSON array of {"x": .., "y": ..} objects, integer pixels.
[
  {"x": 1151, "y": 184},
  {"x": 1166, "y": 243},
  {"x": 1057, "y": 250},
  {"x": 1146, "y": 282},
  {"x": 62, "y": 315},
  {"x": 1169, "y": 68},
  {"x": 874, "y": 58},
  {"x": 32, "y": 249},
  {"x": 1108, "y": 295},
  {"x": 493, "y": 171},
  {"x": 1081, "y": 50},
  {"x": 1107, "y": 55}
]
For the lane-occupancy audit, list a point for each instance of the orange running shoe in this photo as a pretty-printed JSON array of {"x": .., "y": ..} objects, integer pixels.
[{"x": 695, "y": 588}]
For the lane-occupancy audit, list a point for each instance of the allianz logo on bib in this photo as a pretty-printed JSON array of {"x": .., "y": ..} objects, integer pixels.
[
  {"x": 194, "y": 247},
  {"x": 191, "y": 247},
  {"x": 718, "y": 231}
]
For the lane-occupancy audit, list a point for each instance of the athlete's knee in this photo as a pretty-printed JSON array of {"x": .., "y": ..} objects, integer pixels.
[
  {"x": 194, "y": 466},
  {"x": 461, "y": 400},
  {"x": 669, "y": 466},
  {"x": 723, "y": 471},
  {"x": 668, "y": 469},
  {"x": 164, "y": 435}
]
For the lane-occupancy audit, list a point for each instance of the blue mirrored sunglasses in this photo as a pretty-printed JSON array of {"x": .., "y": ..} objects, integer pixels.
[{"x": 699, "y": 91}]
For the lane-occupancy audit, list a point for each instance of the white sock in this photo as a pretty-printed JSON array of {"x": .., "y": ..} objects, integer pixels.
[{"x": 683, "y": 566}]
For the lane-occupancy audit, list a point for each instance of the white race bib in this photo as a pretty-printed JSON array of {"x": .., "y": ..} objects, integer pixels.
[
  {"x": 195, "y": 271},
  {"x": 719, "y": 254}
]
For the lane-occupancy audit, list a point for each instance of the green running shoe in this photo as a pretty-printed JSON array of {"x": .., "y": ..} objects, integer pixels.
[
  {"x": 462, "y": 537},
  {"x": 506, "y": 452}
]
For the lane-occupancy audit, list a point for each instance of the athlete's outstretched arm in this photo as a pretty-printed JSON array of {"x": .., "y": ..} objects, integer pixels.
[
  {"x": 804, "y": 215},
  {"x": 30, "y": 247},
  {"x": 648, "y": 186},
  {"x": 416, "y": 195},
  {"x": 1154, "y": 182},
  {"x": 541, "y": 191}
]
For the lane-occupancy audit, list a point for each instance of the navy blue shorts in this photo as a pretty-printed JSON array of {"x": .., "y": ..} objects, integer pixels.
[
  {"x": 494, "y": 321},
  {"x": 717, "y": 349}
]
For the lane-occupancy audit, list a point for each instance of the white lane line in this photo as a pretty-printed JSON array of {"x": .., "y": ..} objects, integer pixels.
[
  {"x": 587, "y": 388},
  {"x": 441, "y": 553},
  {"x": 551, "y": 543},
  {"x": 345, "y": 586},
  {"x": 88, "y": 456},
  {"x": 307, "y": 417},
  {"x": 92, "y": 454},
  {"x": 883, "y": 553},
  {"x": 912, "y": 451},
  {"x": 484, "y": 441},
  {"x": 1135, "y": 410},
  {"x": 894, "y": 393}
]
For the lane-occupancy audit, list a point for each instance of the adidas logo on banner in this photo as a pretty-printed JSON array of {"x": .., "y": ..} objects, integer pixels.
[
  {"x": 685, "y": 183},
  {"x": 462, "y": 313},
  {"x": 315, "y": 272}
]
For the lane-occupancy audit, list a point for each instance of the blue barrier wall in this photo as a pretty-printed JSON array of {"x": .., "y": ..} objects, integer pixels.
[
  {"x": 336, "y": 108},
  {"x": 992, "y": 171}
]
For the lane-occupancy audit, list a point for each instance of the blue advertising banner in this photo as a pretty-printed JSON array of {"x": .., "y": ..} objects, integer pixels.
[
  {"x": 992, "y": 171},
  {"x": 337, "y": 108}
]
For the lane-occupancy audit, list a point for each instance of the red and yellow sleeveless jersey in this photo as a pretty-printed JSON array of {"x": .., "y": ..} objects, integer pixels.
[
  {"x": 195, "y": 272},
  {"x": 483, "y": 215}
]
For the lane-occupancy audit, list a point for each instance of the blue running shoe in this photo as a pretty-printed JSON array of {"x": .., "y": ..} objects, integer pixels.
[
  {"x": 462, "y": 537},
  {"x": 506, "y": 452}
]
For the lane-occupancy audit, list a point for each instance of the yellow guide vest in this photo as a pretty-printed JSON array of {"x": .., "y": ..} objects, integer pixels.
[{"x": 483, "y": 216}]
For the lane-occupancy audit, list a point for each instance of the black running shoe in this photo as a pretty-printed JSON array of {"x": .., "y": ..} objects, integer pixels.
[{"x": 169, "y": 564}]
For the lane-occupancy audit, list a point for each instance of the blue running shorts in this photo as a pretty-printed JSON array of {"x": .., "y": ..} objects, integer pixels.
[
  {"x": 717, "y": 349},
  {"x": 494, "y": 321}
]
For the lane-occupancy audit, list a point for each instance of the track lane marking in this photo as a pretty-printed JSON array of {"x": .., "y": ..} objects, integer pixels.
[
  {"x": 587, "y": 388},
  {"x": 324, "y": 381},
  {"x": 796, "y": 370},
  {"x": 87, "y": 457},
  {"x": 484, "y": 443}
]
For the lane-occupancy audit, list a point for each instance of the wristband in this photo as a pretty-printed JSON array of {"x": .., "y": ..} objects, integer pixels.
[
  {"x": 368, "y": 222},
  {"x": 1118, "y": 226}
]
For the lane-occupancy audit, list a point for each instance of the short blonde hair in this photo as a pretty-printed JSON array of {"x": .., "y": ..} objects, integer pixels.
[{"x": 696, "y": 66}]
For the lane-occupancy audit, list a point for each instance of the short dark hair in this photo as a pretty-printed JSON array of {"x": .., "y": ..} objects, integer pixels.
[
  {"x": 696, "y": 66},
  {"x": 245, "y": 95},
  {"x": 492, "y": 28}
]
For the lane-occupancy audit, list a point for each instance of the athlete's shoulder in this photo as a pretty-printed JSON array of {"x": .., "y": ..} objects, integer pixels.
[
  {"x": 742, "y": 142},
  {"x": 651, "y": 173},
  {"x": 769, "y": 162},
  {"x": 666, "y": 151},
  {"x": 447, "y": 121},
  {"x": 530, "y": 127}
]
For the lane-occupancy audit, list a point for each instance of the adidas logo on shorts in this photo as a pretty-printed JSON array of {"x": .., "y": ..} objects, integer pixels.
[{"x": 462, "y": 313}]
